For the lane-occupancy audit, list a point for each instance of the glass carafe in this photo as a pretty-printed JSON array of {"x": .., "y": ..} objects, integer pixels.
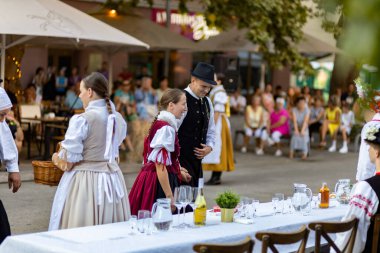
[
  {"x": 162, "y": 215},
  {"x": 342, "y": 191},
  {"x": 301, "y": 196}
]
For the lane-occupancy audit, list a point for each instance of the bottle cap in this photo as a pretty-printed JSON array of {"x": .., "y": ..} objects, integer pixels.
[
  {"x": 200, "y": 183},
  {"x": 324, "y": 184}
]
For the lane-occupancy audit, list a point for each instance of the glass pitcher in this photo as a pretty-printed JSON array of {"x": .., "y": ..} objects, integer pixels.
[
  {"x": 342, "y": 191},
  {"x": 301, "y": 197},
  {"x": 162, "y": 215}
]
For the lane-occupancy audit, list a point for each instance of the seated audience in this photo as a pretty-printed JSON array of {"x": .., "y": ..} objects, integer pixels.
[
  {"x": 237, "y": 102},
  {"x": 254, "y": 125},
  {"x": 278, "y": 125},
  {"x": 331, "y": 123},
  {"x": 347, "y": 122},
  {"x": 300, "y": 136},
  {"x": 317, "y": 113}
]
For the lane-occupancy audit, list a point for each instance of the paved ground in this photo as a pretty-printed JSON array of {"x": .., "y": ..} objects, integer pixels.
[{"x": 257, "y": 177}]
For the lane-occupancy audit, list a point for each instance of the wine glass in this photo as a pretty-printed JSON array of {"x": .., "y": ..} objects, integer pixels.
[
  {"x": 178, "y": 204},
  {"x": 186, "y": 199},
  {"x": 194, "y": 197}
]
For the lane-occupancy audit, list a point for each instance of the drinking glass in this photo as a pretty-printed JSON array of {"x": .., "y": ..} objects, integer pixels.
[
  {"x": 142, "y": 215},
  {"x": 289, "y": 205},
  {"x": 315, "y": 201},
  {"x": 248, "y": 209},
  {"x": 178, "y": 204},
  {"x": 280, "y": 206},
  {"x": 275, "y": 205},
  {"x": 255, "y": 205},
  {"x": 242, "y": 206},
  {"x": 149, "y": 226},
  {"x": 132, "y": 224},
  {"x": 307, "y": 209}
]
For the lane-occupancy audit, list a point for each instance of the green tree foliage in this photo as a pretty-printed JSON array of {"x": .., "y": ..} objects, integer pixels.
[
  {"x": 358, "y": 28},
  {"x": 274, "y": 25}
]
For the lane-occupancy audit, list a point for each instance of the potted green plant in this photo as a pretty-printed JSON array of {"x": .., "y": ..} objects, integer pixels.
[{"x": 227, "y": 201}]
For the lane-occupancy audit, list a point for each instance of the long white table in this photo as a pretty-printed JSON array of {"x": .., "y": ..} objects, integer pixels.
[{"x": 115, "y": 238}]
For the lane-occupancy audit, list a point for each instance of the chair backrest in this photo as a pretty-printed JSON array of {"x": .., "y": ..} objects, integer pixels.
[
  {"x": 376, "y": 232},
  {"x": 322, "y": 229},
  {"x": 245, "y": 246},
  {"x": 270, "y": 239},
  {"x": 30, "y": 111}
]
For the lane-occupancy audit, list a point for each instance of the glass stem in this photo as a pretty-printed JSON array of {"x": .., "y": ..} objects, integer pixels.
[
  {"x": 178, "y": 214},
  {"x": 184, "y": 211}
]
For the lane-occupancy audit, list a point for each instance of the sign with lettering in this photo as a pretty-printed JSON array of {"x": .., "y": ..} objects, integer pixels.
[{"x": 190, "y": 25}]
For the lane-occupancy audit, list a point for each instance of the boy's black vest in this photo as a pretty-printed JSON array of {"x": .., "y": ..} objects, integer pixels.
[{"x": 192, "y": 133}]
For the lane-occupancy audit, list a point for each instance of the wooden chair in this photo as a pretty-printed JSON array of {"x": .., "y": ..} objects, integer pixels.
[
  {"x": 269, "y": 239},
  {"x": 376, "y": 233},
  {"x": 322, "y": 229},
  {"x": 245, "y": 246}
]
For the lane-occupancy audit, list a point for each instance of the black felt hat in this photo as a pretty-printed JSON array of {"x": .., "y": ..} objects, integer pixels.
[{"x": 204, "y": 72}]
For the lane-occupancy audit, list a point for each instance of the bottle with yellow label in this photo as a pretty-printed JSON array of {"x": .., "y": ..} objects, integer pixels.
[
  {"x": 324, "y": 193},
  {"x": 200, "y": 206}
]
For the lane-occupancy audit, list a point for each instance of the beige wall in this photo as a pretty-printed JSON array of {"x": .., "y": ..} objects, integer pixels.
[
  {"x": 281, "y": 77},
  {"x": 33, "y": 58},
  {"x": 182, "y": 69}
]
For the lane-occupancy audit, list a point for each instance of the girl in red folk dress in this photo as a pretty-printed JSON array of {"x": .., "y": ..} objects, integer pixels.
[{"x": 161, "y": 171}]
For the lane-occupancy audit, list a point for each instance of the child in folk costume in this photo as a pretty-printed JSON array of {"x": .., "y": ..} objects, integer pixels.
[
  {"x": 161, "y": 171},
  {"x": 8, "y": 157},
  {"x": 221, "y": 157},
  {"x": 364, "y": 203},
  {"x": 92, "y": 191}
]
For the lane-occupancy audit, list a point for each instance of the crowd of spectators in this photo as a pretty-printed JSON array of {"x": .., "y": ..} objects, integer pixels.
[{"x": 296, "y": 114}]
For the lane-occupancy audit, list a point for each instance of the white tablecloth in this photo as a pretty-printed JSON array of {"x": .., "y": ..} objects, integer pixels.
[{"x": 114, "y": 238}]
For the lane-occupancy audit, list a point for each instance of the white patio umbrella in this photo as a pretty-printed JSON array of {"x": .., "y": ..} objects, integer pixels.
[{"x": 23, "y": 20}]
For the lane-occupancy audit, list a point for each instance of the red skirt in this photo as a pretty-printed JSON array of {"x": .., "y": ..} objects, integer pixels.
[{"x": 146, "y": 188}]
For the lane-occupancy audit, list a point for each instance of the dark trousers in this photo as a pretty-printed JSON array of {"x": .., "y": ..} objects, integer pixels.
[
  {"x": 216, "y": 174},
  {"x": 5, "y": 229}
]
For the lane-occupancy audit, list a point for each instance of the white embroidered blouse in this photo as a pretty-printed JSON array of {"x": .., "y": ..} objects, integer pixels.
[
  {"x": 78, "y": 130},
  {"x": 363, "y": 205},
  {"x": 164, "y": 139},
  {"x": 219, "y": 98}
]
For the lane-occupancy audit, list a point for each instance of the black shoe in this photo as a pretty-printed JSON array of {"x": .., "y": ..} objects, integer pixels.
[{"x": 213, "y": 181}]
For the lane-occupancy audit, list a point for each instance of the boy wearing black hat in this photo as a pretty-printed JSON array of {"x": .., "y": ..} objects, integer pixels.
[{"x": 197, "y": 132}]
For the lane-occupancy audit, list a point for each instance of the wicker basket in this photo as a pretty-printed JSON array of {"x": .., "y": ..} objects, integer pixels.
[{"x": 46, "y": 173}]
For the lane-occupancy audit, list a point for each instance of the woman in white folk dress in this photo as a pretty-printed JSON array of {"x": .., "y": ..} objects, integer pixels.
[{"x": 92, "y": 191}]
